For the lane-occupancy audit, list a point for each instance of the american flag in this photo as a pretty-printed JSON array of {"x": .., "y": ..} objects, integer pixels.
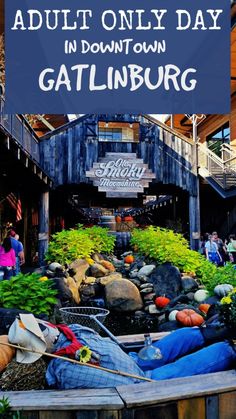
[{"x": 15, "y": 202}]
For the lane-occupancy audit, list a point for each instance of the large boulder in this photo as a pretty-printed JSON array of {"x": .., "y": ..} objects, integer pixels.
[
  {"x": 109, "y": 278},
  {"x": 73, "y": 286},
  {"x": 189, "y": 284},
  {"x": 166, "y": 280},
  {"x": 78, "y": 269},
  {"x": 122, "y": 295},
  {"x": 146, "y": 270},
  {"x": 97, "y": 270}
]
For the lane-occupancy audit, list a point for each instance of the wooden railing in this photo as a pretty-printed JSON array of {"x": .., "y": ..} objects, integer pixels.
[
  {"x": 221, "y": 171},
  {"x": 18, "y": 128}
]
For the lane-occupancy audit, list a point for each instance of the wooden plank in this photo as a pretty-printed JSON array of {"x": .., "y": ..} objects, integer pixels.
[
  {"x": 227, "y": 405},
  {"x": 29, "y": 415},
  {"x": 192, "y": 408},
  {"x": 166, "y": 411},
  {"x": 178, "y": 388},
  {"x": 82, "y": 399},
  {"x": 212, "y": 407}
]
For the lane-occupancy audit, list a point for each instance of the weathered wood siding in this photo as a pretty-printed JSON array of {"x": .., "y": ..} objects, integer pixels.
[{"x": 70, "y": 151}]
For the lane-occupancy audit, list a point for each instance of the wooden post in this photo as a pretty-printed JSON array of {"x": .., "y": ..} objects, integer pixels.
[
  {"x": 43, "y": 225},
  {"x": 194, "y": 200}
]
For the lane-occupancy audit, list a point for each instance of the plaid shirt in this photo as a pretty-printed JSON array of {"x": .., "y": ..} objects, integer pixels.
[{"x": 65, "y": 375}]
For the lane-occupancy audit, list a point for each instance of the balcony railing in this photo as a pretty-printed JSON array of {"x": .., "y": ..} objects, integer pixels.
[{"x": 19, "y": 129}]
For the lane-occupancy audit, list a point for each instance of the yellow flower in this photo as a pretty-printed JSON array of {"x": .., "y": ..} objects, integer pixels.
[
  {"x": 43, "y": 278},
  {"x": 85, "y": 354},
  {"x": 226, "y": 300}
]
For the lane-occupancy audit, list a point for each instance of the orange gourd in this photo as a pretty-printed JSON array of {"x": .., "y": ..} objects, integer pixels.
[
  {"x": 129, "y": 259},
  {"x": 118, "y": 219},
  {"x": 189, "y": 318},
  {"x": 161, "y": 302},
  {"x": 204, "y": 307},
  {"x": 6, "y": 353},
  {"x": 128, "y": 218}
]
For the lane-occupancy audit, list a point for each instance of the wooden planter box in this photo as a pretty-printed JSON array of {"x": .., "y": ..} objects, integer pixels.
[{"x": 210, "y": 396}]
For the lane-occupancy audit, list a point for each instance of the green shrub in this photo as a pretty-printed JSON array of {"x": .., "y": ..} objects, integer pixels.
[
  {"x": 5, "y": 410},
  {"x": 103, "y": 241},
  {"x": 80, "y": 243},
  {"x": 164, "y": 245},
  {"x": 27, "y": 292},
  {"x": 214, "y": 276}
]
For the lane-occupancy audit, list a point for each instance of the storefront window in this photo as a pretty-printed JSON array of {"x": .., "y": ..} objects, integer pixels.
[
  {"x": 118, "y": 131},
  {"x": 218, "y": 138}
]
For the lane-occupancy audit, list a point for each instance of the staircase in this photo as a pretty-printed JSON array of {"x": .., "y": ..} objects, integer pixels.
[{"x": 219, "y": 172}]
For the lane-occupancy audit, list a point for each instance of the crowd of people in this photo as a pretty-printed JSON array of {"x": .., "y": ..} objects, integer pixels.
[
  {"x": 218, "y": 251},
  {"x": 11, "y": 255}
]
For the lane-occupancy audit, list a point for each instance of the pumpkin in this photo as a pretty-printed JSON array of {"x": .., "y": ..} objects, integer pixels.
[
  {"x": 189, "y": 318},
  {"x": 6, "y": 352},
  {"x": 108, "y": 265},
  {"x": 204, "y": 307},
  {"x": 118, "y": 219},
  {"x": 129, "y": 259},
  {"x": 161, "y": 302},
  {"x": 223, "y": 289},
  {"x": 200, "y": 295},
  {"x": 172, "y": 315},
  {"x": 128, "y": 218}
]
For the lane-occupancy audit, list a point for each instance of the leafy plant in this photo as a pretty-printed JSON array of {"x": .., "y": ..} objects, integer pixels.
[
  {"x": 164, "y": 245},
  {"x": 212, "y": 276},
  {"x": 104, "y": 242},
  {"x": 80, "y": 243},
  {"x": 5, "y": 410},
  {"x": 27, "y": 292},
  {"x": 228, "y": 309}
]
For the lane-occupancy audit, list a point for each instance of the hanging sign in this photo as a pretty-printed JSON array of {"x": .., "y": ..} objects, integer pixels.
[
  {"x": 155, "y": 56},
  {"x": 120, "y": 175}
]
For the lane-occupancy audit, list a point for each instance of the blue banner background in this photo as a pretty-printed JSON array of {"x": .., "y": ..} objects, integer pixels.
[{"x": 29, "y": 52}]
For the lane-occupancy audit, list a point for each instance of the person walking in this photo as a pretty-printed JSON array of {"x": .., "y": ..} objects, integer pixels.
[
  {"x": 212, "y": 252},
  {"x": 7, "y": 258},
  {"x": 231, "y": 248},
  {"x": 19, "y": 251},
  {"x": 221, "y": 247}
]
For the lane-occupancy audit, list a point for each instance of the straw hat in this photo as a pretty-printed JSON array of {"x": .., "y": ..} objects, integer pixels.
[{"x": 26, "y": 332}]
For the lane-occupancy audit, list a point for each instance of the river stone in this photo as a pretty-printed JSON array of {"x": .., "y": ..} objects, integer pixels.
[
  {"x": 189, "y": 283},
  {"x": 144, "y": 278},
  {"x": 109, "y": 278},
  {"x": 79, "y": 268},
  {"x": 89, "y": 291},
  {"x": 123, "y": 296},
  {"x": 98, "y": 271},
  {"x": 180, "y": 299},
  {"x": 146, "y": 270},
  {"x": 146, "y": 290},
  {"x": 133, "y": 273},
  {"x": 149, "y": 296},
  {"x": 73, "y": 286},
  {"x": 55, "y": 265},
  {"x": 190, "y": 295},
  {"x": 146, "y": 285},
  {"x": 64, "y": 292},
  {"x": 152, "y": 309},
  {"x": 166, "y": 280},
  {"x": 135, "y": 281},
  {"x": 89, "y": 280}
]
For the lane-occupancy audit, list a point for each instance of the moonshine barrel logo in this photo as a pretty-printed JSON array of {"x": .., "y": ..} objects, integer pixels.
[{"x": 118, "y": 175}]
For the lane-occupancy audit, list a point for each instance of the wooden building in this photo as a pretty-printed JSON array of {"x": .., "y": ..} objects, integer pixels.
[{"x": 116, "y": 162}]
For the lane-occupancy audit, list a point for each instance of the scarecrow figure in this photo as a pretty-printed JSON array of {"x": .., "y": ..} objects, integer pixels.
[{"x": 184, "y": 353}]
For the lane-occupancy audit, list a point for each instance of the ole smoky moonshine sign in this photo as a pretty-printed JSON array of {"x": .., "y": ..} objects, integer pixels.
[{"x": 120, "y": 175}]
